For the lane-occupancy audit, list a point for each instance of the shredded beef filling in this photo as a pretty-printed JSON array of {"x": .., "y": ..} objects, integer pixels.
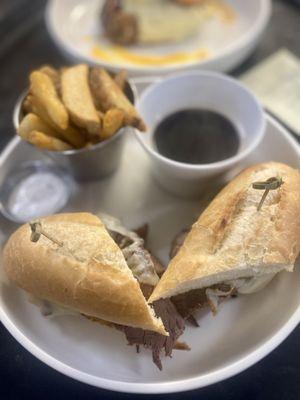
[
  {"x": 174, "y": 311},
  {"x": 189, "y": 302},
  {"x": 165, "y": 309},
  {"x": 173, "y": 323}
]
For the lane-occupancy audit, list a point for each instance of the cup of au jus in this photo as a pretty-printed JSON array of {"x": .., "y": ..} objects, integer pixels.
[{"x": 199, "y": 126}]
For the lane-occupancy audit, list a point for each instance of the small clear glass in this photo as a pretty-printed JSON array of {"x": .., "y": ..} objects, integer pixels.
[{"x": 35, "y": 189}]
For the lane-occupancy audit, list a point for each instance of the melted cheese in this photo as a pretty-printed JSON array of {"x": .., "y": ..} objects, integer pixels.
[
  {"x": 252, "y": 285},
  {"x": 137, "y": 257}
]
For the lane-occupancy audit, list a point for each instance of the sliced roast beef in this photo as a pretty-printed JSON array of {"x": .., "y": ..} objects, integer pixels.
[
  {"x": 189, "y": 302},
  {"x": 146, "y": 268},
  {"x": 173, "y": 323}
]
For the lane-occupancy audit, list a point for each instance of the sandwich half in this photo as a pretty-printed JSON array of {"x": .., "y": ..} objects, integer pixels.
[
  {"x": 151, "y": 21},
  {"x": 239, "y": 243},
  {"x": 104, "y": 272}
]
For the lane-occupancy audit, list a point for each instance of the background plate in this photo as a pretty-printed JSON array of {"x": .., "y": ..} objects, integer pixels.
[
  {"x": 75, "y": 27},
  {"x": 245, "y": 330}
]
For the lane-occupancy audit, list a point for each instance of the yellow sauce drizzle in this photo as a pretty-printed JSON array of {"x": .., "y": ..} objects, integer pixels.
[{"x": 117, "y": 53}]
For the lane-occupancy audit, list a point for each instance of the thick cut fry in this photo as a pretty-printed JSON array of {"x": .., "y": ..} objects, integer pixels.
[
  {"x": 42, "y": 87},
  {"x": 45, "y": 142},
  {"x": 34, "y": 106},
  {"x": 108, "y": 95},
  {"x": 78, "y": 100},
  {"x": 32, "y": 122},
  {"x": 72, "y": 135},
  {"x": 112, "y": 122},
  {"x": 120, "y": 79},
  {"x": 54, "y": 75},
  {"x": 88, "y": 145},
  {"x": 189, "y": 2},
  {"x": 100, "y": 115}
]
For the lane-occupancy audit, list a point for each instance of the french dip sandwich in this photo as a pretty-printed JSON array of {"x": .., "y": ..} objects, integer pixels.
[
  {"x": 247, "y": 235},
  {"x": 79, "y": 263},
  {"x": 151, "y": 21}
]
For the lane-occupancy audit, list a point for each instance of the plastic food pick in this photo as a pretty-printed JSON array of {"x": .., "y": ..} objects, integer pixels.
[
  {"x": 37, "y": 231},
  {"x": 273, "y": 183}
]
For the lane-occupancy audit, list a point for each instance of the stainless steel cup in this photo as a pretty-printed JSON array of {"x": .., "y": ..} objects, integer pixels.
[{"x": 91, "y": 163}]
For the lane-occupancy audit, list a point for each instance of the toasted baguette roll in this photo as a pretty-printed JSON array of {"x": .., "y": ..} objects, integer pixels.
[
  {"x": 77, "y": 98},
  {"x": 87, "y": 273},
  {"x": 232, "y": 239}
]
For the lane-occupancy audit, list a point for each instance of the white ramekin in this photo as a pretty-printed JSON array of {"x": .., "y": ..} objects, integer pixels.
[{"x": 206, "y": 90}]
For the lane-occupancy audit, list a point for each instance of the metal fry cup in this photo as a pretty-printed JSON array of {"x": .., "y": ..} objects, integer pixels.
[{"x": 91, "y": 163}]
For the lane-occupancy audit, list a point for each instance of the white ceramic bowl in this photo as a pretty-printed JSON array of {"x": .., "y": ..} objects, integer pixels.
[
  {"x": 206, "y": 90},
  {"x": 75, "y": 27}
]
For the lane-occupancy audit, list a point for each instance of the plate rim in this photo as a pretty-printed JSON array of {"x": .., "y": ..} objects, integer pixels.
[
  {"x": 246, "y": 41},
  {"x": 158, "y": 387}
]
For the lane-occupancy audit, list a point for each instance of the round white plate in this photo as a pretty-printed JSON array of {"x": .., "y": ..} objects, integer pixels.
[
  {"x": 244, "y": 331},
  {"x": 75, "y": 27}
]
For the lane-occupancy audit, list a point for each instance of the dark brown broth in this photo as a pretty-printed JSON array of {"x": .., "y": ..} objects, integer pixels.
[{"x": 196, "y": 136}]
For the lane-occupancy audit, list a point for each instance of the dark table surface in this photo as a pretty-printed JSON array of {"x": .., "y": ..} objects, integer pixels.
[{"x": 26, "y": 44}]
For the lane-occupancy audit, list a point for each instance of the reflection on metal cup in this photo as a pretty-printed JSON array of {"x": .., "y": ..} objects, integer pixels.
[{"x": 92, "y": 163}]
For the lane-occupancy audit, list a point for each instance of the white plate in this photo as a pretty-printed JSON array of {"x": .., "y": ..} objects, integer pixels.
[
  {"x": 75, "y": 27},
  {"x": 245, "y": 330}
]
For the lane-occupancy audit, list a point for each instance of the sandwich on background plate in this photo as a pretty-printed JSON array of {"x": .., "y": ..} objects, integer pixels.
[
  {"x": 152, "y": 21},
  {"x": 79, "y": 263},
  {"x": 247, "y": 235}
]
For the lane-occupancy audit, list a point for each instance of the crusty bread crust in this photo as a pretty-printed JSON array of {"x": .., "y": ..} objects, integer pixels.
[
  {"x": 231, "y": 239},
  {"x": 88, "y": 273}
]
